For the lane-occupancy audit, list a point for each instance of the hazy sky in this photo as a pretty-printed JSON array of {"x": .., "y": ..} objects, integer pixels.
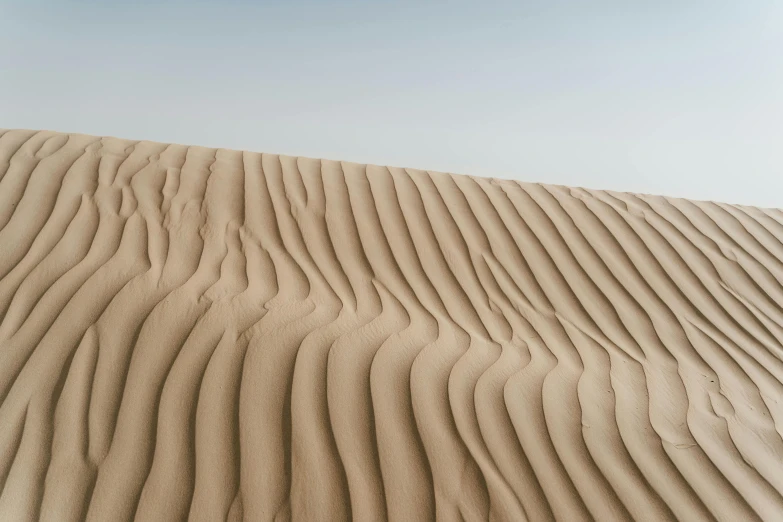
[{"x": 679, "y": 98}]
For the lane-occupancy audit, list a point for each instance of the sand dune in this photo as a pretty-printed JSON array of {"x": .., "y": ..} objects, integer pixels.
[{"x": 202, "y": 334}]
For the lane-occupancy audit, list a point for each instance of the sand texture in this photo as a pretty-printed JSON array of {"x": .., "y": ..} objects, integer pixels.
[{"x": 205, "y": 334}]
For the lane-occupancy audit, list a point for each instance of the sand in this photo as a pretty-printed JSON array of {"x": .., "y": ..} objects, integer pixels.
[{"x": 209, "y": 334}]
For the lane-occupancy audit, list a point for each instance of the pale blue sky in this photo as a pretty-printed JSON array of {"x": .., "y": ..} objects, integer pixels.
[{"x": 678, "y": 98}]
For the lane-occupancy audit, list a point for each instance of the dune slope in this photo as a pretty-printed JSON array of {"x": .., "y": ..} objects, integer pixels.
[{"x": 208, "y": 334}]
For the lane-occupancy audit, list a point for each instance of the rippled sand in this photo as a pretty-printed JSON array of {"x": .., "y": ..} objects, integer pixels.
[{"x": 208, "y": 334}]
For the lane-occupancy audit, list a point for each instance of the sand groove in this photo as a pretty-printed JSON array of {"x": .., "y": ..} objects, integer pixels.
[{"x": 202, "y": 334}]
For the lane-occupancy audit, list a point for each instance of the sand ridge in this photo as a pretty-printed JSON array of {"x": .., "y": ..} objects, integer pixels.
[{"x": 209, "y": 334}]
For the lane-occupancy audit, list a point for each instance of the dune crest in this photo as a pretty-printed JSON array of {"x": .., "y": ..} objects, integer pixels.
[{"x": 209, "y": 334}]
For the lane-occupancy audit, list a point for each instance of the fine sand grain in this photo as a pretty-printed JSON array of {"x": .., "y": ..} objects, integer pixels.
[{"x": 198, "y": 334}]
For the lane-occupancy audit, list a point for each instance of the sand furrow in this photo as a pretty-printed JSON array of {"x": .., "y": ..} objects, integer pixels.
[{"x": 207, "y": 334}]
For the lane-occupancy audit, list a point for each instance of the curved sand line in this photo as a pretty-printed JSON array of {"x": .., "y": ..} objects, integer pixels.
[{"x": 202, "y": 334}]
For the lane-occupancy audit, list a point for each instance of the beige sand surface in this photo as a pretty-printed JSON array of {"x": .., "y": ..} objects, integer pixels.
[{"x": 202, "y": 334}]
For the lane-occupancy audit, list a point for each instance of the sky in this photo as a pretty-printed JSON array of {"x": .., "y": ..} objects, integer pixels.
[{"x": 679, "y": 98}]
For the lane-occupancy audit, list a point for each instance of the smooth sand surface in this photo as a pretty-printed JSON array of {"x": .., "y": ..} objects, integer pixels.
[{"x": 202, "y": 334}]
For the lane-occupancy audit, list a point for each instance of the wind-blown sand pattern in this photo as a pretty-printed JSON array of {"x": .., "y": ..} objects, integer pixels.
[{"x": 202, "y": 334}]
